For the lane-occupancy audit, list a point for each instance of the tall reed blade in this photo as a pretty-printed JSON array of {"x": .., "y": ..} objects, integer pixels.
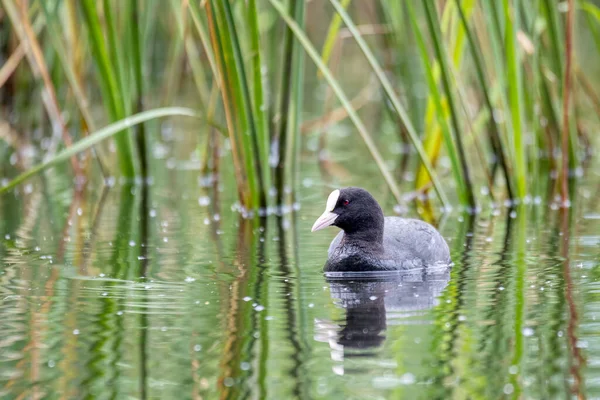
[
  {"x": 314, "y": 55},
  {"x": 246, "y": 102},
  {"x": 109, "y": 83},
  {"x": 513, "y": 62},
  {"x": 389, "y": 90},
  {"x": 287, "y": 95},
  {"x": 235, "y": 93},
  {"x": 440, "y": 109},
  {"x": 495, "y": 140},
  {"x": 567, "y": 87},
  {"x": 434, "y": 30}
]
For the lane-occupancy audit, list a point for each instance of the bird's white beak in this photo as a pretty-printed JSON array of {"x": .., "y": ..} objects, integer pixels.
[
  {"x": 325, "y": 220},
  {"x": 328, "y": 217}
]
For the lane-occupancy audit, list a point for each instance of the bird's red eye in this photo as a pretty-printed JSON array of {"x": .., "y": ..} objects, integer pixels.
[{"x": 346, "y": 202}]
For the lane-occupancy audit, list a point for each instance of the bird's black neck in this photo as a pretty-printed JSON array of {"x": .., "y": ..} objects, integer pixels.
[{"x": 367, "y": 233}]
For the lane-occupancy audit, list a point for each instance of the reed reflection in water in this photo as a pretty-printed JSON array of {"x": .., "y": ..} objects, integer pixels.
[{"x": 153, "y": 296}]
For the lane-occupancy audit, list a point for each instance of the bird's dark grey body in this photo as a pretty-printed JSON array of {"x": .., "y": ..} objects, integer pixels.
[{"x": 407, "y": 243}]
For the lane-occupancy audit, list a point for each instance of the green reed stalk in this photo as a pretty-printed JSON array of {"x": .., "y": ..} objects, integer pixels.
[
  {"x": 194, "y": 9},
  {"x": 437, "y": 98},
  {"x": 434, "y": 29},
  {"x": 249, "y": 132},
  {"x": 314, "y": 55},
  {"x": 136, "y": 59},
  {"x": 52, "y": 25},
  {"x": 296, "y": 10},
  {"x": 117, "y": 56},
  {"x": 295, "y": 110},
  {"x": 261, "y": 116},
  {"x": 332, "y": 33},
  {"x": 389, "y": 90},
  {"x": 236, "y": 98},
  {"x": 193, "y": 56},
  {"x": 515, "y": 87},
  {"x": 495, "y": 140},
  {"x": 109, "y": 84}
]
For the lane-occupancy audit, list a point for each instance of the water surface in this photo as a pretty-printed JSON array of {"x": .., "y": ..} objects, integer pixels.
[{"x": 169, "y": 293}]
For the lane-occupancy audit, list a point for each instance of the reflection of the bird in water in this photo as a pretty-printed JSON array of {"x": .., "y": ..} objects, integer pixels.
[{"x": 373, "y": 301}]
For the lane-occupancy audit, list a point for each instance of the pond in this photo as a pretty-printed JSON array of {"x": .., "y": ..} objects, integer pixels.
[{"x": 166, "y": 292}]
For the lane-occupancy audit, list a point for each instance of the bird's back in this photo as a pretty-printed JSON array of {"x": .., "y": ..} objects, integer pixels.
[{"x": 406, "y": 242}]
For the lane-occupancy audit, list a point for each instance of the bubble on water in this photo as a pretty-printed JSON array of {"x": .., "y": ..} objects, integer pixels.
[
  {"x": 131, "y": 243},
  {"x": 311, "y": 305},
  {"x": 197, "y": 347},
  {"x": 75, "y": 331},
  {"x": 152, "y": 213},
  {"x": 119, "y": 313},
  {"x": 245, "y": 366},
  {"x": 163, "y": 329},
  {"x": 513, "y": 370},
  {"x": 229, "y": 381},
  {"x": 189, "y": 279},
  {"x": 528, "y": 332},
  {"x": 7, "y": 236},
  {"x": 247, "y": 298},
  {"x": 204, "y": 201},
  {"x": 259, "y": 308},
  {"x": 508, "y": 388},
  {"x": 407, "y": 379},
  {"x": 373, "y": 298},
  {"x": 104, "y": 294}
]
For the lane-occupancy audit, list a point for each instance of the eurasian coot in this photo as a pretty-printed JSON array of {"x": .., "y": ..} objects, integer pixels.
[{"x": 369, "y": 241}]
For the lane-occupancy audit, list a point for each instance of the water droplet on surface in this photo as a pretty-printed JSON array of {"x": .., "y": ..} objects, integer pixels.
[
  {"x": 229, "y": 382},
  {"x": 528, "y": 332},
  {"x": 204, "y": 201}
]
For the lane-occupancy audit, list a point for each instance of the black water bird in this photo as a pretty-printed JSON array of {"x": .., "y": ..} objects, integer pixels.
[{"x": 371, "y": 242}]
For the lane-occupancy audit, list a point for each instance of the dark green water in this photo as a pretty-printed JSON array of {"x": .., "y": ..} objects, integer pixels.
[{"x": 214, "y": 306}]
